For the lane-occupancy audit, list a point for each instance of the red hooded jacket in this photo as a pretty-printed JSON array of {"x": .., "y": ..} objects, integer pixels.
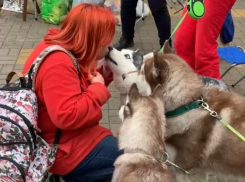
[{"x": 62, "y": 104}]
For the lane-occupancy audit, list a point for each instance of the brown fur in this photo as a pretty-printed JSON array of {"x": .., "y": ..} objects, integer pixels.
[
  {"x": 200, "y": 141},
  {"x": 141, "y": 136}
]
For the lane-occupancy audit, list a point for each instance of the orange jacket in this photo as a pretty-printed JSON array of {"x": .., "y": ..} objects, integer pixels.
[{"x": 62, "y": 104}]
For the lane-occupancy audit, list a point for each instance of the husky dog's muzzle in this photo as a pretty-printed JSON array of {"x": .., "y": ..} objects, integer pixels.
[{"x": 108, "y": 58}]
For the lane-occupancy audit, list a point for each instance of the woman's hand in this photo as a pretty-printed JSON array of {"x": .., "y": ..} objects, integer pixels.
[
  {"x": 96, "y": 77},
  {"x": 106, "y": 70}
]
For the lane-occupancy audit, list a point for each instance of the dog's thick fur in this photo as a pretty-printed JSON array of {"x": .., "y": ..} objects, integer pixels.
[
  {"x": 199, "y": 140},
  {"x": 141, "y": 136}
]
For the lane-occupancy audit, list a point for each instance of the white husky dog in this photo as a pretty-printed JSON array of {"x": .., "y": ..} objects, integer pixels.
[{"x": 123, "y": 62}]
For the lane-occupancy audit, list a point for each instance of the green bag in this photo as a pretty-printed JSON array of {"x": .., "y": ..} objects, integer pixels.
[{"x": 53, "y": 11}]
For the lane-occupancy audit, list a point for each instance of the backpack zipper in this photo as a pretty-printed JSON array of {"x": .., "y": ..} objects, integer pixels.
[
  {"x": 27, "y": 122},
  {"x": 13, "y": 88},
  {"x": 23, "y": 131},
  {"x": 14, "y": 143}
]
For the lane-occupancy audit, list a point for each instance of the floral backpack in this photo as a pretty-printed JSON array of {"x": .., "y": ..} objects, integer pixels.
[{"x": 24, "y": 155}]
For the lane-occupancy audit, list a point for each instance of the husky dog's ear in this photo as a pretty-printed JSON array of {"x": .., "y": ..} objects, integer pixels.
[
  {"x": 155, "y": 71},
  {"x": 159, "y": 64},
  {"x": 166, "y": 47},
  {"x": 133, "y": 93},
  {"x": 158, "y": 92},
  {"x": 160, "y": 68},
  {"x": 137, "y": 59}
]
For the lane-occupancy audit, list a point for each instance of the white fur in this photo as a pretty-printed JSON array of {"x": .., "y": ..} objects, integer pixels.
[
  {"x": 129, "y": 138},
  {"x": 142, "y": 84},
  {"x": 125, "y": 66},
  {"x": 148, "y": 56},
  {"x": 218, "y": 133},
  {"x": 121, "y": 110},
  {"x": 177, "y": 125}
]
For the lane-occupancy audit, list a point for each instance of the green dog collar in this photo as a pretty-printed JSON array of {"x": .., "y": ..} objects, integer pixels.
[{"x": 183, "y": 109}]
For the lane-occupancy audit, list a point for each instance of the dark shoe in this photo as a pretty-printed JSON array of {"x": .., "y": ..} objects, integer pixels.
[{"x": 123, "y": 43}]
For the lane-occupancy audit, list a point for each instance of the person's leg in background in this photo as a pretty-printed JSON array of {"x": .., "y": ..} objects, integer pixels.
[
  {"x": 128, "y": 18},
  {"x": 98, "y": 166},
  {"x": 208, "y": 30},
  {"x": 162, "y": 19},
  {"x": 184, "y": 40}
]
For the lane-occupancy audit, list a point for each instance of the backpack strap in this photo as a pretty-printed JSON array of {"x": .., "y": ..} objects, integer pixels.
[
  {"x": 57, "y": 136},
  {"x": 12, "y": 74},
  {"x": 35, "y": 66},
  {"x": 34, "y": 69},
  {"x": 20, "y": 77}
]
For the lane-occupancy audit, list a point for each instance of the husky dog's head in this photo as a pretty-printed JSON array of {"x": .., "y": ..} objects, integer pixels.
[
  {"x": 123, "y": 62},
  {"x": 142, "y": 116}
]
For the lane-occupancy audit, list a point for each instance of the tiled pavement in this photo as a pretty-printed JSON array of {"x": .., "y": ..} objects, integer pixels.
[{"x": 18, "y": 38}]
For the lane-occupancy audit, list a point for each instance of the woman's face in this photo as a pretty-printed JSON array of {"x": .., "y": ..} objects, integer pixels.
[{"x": 104, "y": 51}]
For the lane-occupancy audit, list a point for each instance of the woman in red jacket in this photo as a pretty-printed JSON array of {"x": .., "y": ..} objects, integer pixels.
[
  {"x": 86, "y": 150},
  {"x": 196, "y": 40}
]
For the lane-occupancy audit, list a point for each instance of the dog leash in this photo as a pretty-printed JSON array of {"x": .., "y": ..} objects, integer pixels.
[
  {"x": 176, "y": 166},
  {"x": 176, "y": 27},
  {"x": 195, "y": 9},
  {"x": 214, "y": 114},
  {"x": 188, "y": 173}
]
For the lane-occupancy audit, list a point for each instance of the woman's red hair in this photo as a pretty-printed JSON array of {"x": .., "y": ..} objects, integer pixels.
[{"x": 84, "y": 31}]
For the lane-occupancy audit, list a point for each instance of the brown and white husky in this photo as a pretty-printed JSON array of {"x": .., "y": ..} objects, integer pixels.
[
  {"x": 199, "y": 140},
  {"x": 141, "y": 136}
]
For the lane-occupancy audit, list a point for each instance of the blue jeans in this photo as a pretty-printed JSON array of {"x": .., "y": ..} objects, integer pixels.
[{"x": 98, "y": 165}]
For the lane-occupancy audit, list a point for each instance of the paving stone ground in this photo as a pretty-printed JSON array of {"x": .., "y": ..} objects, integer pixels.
[{"x": 18, "y": 38}]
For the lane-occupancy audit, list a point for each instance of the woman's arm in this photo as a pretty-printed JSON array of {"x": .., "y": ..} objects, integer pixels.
[{"x": 69, "y": 108}]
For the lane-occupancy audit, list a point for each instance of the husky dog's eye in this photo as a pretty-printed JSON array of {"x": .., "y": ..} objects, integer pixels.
[{"x": 127, "y": 56}]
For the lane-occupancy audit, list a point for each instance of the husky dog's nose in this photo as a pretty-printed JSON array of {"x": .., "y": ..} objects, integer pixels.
[
  {"x": 123, "y": 76},
  {"x": 110, "y": 48}
]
